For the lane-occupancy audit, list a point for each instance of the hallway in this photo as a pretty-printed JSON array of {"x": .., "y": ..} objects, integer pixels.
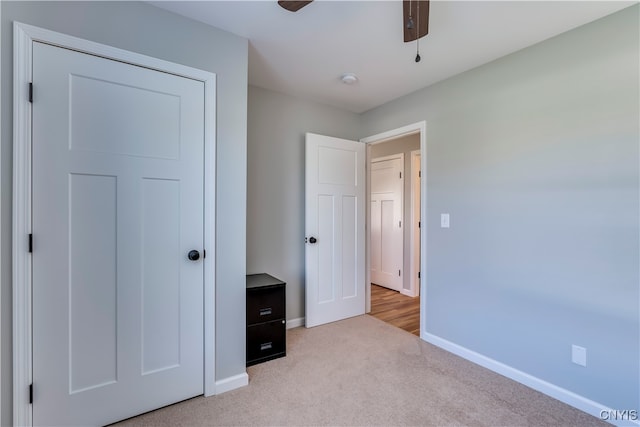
[{"x": 396, "y": 309}]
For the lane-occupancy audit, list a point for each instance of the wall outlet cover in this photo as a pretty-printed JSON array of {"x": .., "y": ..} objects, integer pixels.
[{"x": 579, "y": 355}]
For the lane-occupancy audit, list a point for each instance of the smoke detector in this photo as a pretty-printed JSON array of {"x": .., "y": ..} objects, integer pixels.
[{"x": 349, "y": 78}]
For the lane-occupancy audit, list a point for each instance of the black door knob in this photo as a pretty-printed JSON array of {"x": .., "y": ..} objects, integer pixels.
[
  {"x": 313, "y": 240},
  {"x": 194, "y": 255}
]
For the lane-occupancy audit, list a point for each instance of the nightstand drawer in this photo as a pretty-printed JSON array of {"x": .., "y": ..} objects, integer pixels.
[
  {"x": 265, "y": 304},
  {"x": 266, "y": 341}
]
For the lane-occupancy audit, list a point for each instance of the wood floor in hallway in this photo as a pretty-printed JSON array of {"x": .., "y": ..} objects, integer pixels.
[{"x": 396, "y": 309}]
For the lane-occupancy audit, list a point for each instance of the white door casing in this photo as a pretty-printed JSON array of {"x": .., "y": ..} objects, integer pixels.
[
  {"x": 1, "y": 239},
  {"x": 101, "y": 188},
  {"x": 421, "y": 129},
  {"x": 334, "y": 218},
  {"x": 416, "y": 223},
  {"x": 387, "y": 235}
]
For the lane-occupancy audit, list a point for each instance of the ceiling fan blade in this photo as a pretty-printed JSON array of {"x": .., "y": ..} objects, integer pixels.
[
  {"x": 414, "y": 13},
  {"x": 293, "y": 6}
]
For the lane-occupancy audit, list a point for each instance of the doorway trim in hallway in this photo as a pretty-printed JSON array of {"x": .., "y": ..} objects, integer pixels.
[
  {"x": 416, "y": 219},
  {"x": 421, "y": 128}
]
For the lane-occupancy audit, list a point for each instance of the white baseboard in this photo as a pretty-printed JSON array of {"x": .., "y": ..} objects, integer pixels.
[
  {"x": 294, "y": 323},
  {"x": 232, "y": 383},
  {"x": 408, "y": 293},
  {"x": 570, "y": 398}
]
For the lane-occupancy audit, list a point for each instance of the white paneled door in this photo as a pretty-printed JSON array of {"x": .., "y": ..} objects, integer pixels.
[
  {"x": 117, "y": 208},
  {"x": 335, "y": 227},
  {"x": 387, "y": 254}
]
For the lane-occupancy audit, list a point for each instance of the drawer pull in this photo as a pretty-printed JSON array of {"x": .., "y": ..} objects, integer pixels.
[
  {"x": 266, "y": 346},
  {"x": 265, "y": 311}
]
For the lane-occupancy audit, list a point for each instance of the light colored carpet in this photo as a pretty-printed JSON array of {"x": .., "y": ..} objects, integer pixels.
[{"x": 364, "y": 372}]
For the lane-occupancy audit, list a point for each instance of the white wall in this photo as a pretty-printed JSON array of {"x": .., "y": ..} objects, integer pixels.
[
  {"x": 145, "y": 29},
  {"x": 535, "y": 156},
  {"x": 275, "y": 181}
]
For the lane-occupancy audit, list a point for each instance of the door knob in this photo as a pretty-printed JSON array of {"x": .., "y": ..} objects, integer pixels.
[
  {"x": 194, "y": 255},
  {"x": 312, "y": 240}
]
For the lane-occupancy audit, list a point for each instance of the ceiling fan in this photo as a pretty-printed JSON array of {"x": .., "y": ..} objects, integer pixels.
[{"x": 415, "y": 17}]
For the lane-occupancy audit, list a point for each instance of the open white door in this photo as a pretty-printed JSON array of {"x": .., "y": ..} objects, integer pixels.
[{"x": 335, "y": 229}]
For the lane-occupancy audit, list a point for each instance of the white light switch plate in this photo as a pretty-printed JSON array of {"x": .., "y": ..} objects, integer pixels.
[{"x": 444, "y": 220}]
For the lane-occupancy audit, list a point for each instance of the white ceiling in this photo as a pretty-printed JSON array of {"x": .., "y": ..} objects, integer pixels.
[{"x": 303, "y": 54}]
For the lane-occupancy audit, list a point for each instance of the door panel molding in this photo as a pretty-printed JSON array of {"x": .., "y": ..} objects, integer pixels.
[{"x": 24, "y": 37}]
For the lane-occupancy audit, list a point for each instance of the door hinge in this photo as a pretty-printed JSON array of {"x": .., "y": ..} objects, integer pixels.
[
  {"x": 30, "y": 243},
  {"x": 398, "y": 272},
  {"x": 399, "y": 224},
  {"x": 419, "y": 224},
  {"x": 204, "y": 253},
  {"x": 400, "y": 175},
  {"x": 31, "y": 393},
  {"x": 418, "y": 274},
  {"x": 419, "y": 174},
  {"x": 30, "y": 92}
]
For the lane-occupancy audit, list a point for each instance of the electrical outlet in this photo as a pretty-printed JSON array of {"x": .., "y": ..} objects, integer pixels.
[{"x": 579, "y": 355}]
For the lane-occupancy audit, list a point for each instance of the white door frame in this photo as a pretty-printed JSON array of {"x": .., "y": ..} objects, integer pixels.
[
  {"x": 414, "y": 252},
  {"x": 421, "y": 128},
  {"x": 23, "y": 38},
  {"x": 1, "y": 240}
]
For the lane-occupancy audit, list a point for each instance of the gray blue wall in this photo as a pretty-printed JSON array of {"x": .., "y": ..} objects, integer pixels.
[
  {"x": 536, "y": 158},
  {"x": 275, "y": 183},
  {"x": 145, "y": 29}
]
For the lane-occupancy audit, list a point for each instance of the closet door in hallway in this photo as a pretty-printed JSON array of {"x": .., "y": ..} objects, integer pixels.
[{"x": 386, "y": 221}]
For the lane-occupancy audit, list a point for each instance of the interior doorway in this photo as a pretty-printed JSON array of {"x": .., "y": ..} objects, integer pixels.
[{"x": 394, "y": 239}]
